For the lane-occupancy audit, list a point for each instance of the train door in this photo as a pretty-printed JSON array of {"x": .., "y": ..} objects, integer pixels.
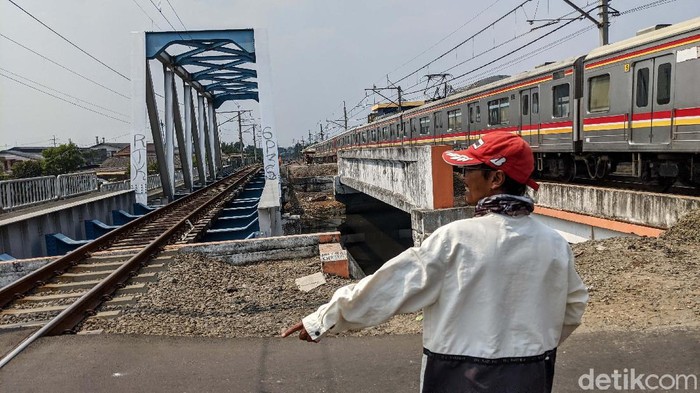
[
  {"x": 472, "y": 124},
  {"x": 530, "y": 115},
  {"x": 652, "y": 101}
]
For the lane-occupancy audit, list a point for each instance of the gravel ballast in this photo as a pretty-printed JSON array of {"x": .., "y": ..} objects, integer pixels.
[{"x": 203, "y": 297}]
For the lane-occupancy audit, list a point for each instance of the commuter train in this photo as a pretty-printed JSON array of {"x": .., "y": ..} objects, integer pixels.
[{"x": 627, "y": 109}]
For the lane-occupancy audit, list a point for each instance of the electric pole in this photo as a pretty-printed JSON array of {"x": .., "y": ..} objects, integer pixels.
[
  {"x": 399, "y": 104},
  {"x": 603, "y": 24},
  {"x": 345, "y": 116},
  {"x": 320, "y": 127},
  {"x": 54, "y": 141},
  {"x": 255, "y": 146},
  {"x": 604, "y": 33}
]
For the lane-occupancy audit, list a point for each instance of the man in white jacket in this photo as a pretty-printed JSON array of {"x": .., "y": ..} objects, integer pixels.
[{"x": 499, "y": 291}]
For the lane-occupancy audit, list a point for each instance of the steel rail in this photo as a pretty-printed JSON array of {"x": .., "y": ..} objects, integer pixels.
[
  {"x": 75, "y": 313},
  {"x": 45, "y": 273}
]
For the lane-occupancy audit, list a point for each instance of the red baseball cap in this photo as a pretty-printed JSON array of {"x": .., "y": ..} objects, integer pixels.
[{"x": 499, "y": 150}]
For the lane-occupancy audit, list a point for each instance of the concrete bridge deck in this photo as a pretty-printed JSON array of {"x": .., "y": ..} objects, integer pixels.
[{"x": 417, "y": 181}]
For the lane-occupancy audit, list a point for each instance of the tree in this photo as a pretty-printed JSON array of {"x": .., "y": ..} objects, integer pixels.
[
  {"x": 25, "y": 169},
  {"x": 62, "y": 159}
]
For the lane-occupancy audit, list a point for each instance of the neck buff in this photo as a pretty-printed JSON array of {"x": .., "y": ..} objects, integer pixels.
[{"x": 511, "y": 205}]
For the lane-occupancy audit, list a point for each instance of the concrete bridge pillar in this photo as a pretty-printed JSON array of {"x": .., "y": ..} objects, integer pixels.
[{"x": 414, "y": 179}]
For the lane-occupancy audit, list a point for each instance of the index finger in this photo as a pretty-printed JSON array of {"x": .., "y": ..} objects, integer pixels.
[{"x": 293, "y": 329}]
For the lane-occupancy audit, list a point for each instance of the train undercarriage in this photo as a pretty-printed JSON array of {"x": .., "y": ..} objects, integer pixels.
[{"x": 652, "y": 169}]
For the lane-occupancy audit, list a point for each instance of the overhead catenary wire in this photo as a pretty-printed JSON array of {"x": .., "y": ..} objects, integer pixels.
[
  {"x": 464, "y": 41},
  {"x": 147, "y": 16},
  {"x": 60, "y": 92},
  {"x": 537, "y": 51},
  {"x": 176, "y": 15},
  {"x": 64, "y": 67},
  {"x": 166, "y": 18},
  {"x": 63, "y": 99},
  {"x": 69, "y": 41}
]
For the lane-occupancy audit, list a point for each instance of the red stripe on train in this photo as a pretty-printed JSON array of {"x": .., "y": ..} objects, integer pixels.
[
  {"x": 642, "y": 51},
  {"x": 687, "y": 112}
]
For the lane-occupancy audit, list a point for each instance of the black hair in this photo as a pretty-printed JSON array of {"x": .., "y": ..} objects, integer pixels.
[{"x": 509, "y": 186}]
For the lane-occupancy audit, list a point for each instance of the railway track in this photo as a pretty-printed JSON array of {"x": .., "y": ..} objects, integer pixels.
[{"x": 59, "y": 296}]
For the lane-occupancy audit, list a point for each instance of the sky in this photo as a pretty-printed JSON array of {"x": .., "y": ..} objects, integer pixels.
[{"x": 322, "y": 52}]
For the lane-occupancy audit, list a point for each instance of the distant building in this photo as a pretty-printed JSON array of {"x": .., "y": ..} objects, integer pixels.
[
  {"x": 119, "y": 162},
  {"x": 11, "y": 156},
  {"x": 111, "y": 148}
]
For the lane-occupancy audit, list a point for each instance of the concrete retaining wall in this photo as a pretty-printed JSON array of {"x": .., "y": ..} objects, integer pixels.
[
  {"x": 11, "y": 271},
  {"x": 657, "y": 210},
  {"x": 241, "y": 252},
  {"x": 425, "y": 222},
  {"x": 405, "y": 177},
  {"x": 23, "y": 236}
]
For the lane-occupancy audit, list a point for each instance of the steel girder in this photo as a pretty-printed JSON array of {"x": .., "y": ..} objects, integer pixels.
[{"x": 213, "y": 63}]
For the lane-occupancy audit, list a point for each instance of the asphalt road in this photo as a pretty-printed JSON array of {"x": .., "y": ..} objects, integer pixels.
[{"x": 116, "y": 363}]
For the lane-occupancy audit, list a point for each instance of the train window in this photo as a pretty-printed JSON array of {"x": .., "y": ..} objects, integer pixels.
[
  {"x": 663, "y": 84},
  {"x": 385, "y": 133},
  {"x": 478, "y": 114},
  {"x": 599, "y": 93},
  {"x": 454, "y": 119},
  {"x": 498, "y": 111},
  {"x": 535, "y": 103},
  {"x": 642, "y": 87},
  {"x": 392, "y": 131},
  {"x": 471, "y": 116},
  {"x": 560, "y": 101},
  {"x": 526, "y": 104},
  {"x": 412, "y": 124},
  {"x": 424, "y": 125}
]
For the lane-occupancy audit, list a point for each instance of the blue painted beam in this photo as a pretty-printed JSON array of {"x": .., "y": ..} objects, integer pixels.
[
  {"x": 60, "y": 244},
  {"x": 157, "y": 42},
  {"x": 141, "y": 209},
  {"x": 97, "y": 228},
  {"x": 120, "y": 217}
]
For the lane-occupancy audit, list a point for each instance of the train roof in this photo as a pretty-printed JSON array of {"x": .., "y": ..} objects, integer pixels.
[
  {"x": 539, "y": 70},
  {"x": 645, "y": 38}
]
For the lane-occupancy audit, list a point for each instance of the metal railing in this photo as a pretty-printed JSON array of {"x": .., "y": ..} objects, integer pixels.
[
  {"x": 73, "y": 184},
  {"x": 27, "y": 192}
]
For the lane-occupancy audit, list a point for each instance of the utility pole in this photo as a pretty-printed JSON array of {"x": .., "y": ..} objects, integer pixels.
[
  {"x": 309, "y": 136},
  {"x": 345, "y": 116},
  {"x": 604, "y": 33},
  {"x": 54, "y": 141},
  {"x": 603, "y": 24},
  {"x": 320, "y": 127},
  {"x": 255, "y": 146},
  {"x": 344, "y": 120},
  {"x": 399, "y": 104},
  {"x": 240, "y": 129}
]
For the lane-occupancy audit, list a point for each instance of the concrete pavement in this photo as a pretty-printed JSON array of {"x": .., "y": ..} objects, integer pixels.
[{"x": 116, "y": 363}]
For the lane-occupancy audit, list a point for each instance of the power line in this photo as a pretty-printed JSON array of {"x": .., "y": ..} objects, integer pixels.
[
  {"x": 69, "y": 41},
  {"x": 63, "y": 99},
  {"x": 60, "y": 92},
  {"x": 447, "y": 36},
  {"x": 147, "y": 16},
  {"x": 465, "y": 41},
  {"x": 166, "y": 19},
  {"x": 176, "y": 15},
  {"x": 64, "y": 67}
]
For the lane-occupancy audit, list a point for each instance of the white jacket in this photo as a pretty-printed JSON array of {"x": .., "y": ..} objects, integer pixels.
[{"x": 490, "y": 287}]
